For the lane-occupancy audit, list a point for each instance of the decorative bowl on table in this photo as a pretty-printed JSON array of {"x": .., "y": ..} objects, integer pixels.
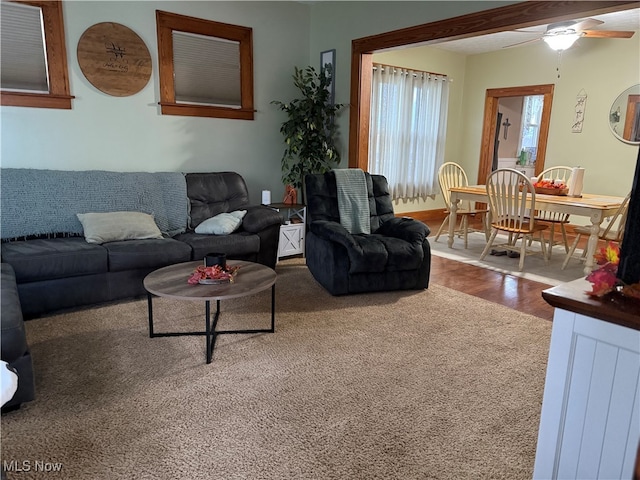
[
  {"x": 213, "y": 275},
  {"x": 215, "y": 281},
  {"x": 551, "y": 187},
  {"x": 551, "y": 191}
]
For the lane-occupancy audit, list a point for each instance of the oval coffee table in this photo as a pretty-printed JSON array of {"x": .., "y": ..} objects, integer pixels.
[{"x": 171, "y": 282}]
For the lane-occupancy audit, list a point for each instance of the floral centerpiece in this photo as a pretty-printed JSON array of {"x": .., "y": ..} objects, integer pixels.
[
  {"x": 551, "y": 187},
  {"x": 604, "y": 279},
  {"x": 213, "y": 274}
]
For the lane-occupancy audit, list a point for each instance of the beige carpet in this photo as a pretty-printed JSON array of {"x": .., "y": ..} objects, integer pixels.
[
  {"x": 534, "y": 266},
  {"x": 433, "y": 384}
]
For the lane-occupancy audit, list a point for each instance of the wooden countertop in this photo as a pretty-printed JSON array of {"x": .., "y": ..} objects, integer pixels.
[{"x": 616, "y": 309}]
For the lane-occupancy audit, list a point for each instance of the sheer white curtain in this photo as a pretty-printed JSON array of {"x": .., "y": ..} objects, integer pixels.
[{"x": 408, "y": 129}]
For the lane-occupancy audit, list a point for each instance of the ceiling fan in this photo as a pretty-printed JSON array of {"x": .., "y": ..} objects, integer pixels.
[{"x": 561, "y": 35}]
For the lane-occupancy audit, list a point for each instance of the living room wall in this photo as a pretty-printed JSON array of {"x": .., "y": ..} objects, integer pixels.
[{"x": 129, "y": 134}]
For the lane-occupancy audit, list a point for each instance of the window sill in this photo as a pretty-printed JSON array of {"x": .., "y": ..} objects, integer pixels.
[
  {"x": 206, "y": 111},
  {"x": 39, "y": 100}
]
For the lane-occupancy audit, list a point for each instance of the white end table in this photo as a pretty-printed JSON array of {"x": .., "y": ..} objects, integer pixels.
[{"x": 292, "y": 233}]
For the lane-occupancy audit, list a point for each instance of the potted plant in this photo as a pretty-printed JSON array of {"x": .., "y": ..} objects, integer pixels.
[{"x": 310, "y": 131}]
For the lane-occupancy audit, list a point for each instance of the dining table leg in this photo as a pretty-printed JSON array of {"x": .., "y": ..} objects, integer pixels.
[
  {"x": 592, "y": 243},
  {"x": 453, "y": 208}
]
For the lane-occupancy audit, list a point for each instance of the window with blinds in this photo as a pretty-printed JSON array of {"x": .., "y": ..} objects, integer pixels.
[
  {"x": 206, "y": 67},
  {"x": 33, "y": 55},
  {"x": 206, "y": 70},
  {"x": 22, "y": 48}
]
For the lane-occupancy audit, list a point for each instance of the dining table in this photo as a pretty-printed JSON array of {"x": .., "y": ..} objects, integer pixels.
[{"x": 593, "y": 206}]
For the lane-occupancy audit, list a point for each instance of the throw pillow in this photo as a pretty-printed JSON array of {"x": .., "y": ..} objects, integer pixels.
[
  {"x": 114, "y": 226},
  {"x": 222, "y": 224}
]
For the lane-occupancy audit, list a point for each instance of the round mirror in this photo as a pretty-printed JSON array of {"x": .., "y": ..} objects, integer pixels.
[{"x": 624, "y": 117}]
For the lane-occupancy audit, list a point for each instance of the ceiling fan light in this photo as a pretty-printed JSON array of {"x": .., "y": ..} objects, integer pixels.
[{"x": 561, "y": 42}]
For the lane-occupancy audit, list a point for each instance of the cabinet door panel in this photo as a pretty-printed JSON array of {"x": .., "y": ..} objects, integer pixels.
[{"x": 590, "y": 420}]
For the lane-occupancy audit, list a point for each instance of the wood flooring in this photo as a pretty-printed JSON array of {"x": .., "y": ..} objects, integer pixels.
[{"x": 513, "y": 292}]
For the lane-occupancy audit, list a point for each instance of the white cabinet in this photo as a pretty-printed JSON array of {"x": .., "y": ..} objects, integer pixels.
[
  {"x": 291, "y": 240},
  {"x": 292, "y": 231},
  {"x": 590, "y": 419}
]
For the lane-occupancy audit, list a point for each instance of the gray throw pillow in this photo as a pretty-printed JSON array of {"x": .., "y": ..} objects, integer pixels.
[
  {"x": 222, "y": 224},
  {"x": 115, "y": 226}
]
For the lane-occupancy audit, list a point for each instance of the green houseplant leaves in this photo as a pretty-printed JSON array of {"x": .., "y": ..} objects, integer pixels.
[{"x": 309, "y": 132}]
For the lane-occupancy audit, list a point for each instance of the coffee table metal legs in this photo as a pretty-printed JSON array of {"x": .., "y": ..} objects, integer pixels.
[{"x": 210, "y": 331}]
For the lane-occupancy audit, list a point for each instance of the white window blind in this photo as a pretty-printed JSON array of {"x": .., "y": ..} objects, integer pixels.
[
  {"x": 206, "y": 70},
  {"x": 24, "y": 61}
]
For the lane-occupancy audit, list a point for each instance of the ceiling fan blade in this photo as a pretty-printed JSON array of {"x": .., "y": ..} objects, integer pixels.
[
  {"x": 522, "y": 43},
  {"x": 586, "y": 24},
  {"x": 607, "y": 33}
]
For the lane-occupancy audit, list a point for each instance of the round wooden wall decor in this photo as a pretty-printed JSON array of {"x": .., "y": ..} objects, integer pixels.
[{"x": 114, "y": 59}]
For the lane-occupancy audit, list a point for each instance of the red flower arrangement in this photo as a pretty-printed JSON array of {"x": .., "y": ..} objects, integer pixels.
[
  {"x": 215, "y": 273},
  {"x": 604, "y": 279}
]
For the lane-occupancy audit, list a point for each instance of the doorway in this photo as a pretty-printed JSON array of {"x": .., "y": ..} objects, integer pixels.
[
  {"x": 490, "y": 127},
  {"x": 499, "y": 19}
]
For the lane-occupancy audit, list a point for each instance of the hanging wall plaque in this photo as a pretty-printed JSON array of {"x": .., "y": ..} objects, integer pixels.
[
  {"x": 578, "y": 119},
  {"x": 114, "y": 59}
]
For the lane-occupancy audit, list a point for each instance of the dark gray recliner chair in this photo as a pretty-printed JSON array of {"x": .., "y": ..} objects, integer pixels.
[{"x": 395, "y": 256}]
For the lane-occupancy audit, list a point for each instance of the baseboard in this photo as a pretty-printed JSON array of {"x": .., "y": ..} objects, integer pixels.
[{"x": 426, "y": 215}]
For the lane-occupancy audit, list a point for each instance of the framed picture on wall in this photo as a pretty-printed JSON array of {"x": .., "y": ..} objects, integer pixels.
[{"x": 328, "y": 57}]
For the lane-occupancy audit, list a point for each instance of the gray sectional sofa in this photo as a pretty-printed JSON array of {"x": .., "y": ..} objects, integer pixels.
[
  {"x": 48, "y": 264},
  {"x": 55, "y": 267}
]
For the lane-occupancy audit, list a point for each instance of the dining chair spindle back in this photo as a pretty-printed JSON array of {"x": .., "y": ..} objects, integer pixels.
[
  {"x": 613, "y": 231},
  {"x": 559, "y": 174},
  {"x": 511, "y": 199},
  {"x": 450, "y": 174}
]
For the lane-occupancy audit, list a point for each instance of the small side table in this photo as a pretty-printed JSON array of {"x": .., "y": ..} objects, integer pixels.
[{"x": 292, "y": 232}]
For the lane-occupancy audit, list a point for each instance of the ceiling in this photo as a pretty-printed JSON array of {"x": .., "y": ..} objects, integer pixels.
[{"x": 624, "y": 20}]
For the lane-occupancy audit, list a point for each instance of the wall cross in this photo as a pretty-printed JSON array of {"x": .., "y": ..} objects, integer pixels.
[{"x": 506, "y": 126}]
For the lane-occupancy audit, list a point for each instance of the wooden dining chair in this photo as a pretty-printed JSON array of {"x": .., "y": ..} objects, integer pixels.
[
  {"x": 612, "y": 231},
  {"x": 450, "y": 174},
  {"x": 511, "y": 197},
  {"x": 555, "y": 218}
]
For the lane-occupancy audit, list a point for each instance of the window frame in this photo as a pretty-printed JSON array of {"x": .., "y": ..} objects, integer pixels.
[
  {"x": 166, "y": 23},
  {"x": 59, "y": 95}
]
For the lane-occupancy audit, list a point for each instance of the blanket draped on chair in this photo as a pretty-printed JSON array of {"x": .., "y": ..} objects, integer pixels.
[{"x": 353, "y": 200}]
